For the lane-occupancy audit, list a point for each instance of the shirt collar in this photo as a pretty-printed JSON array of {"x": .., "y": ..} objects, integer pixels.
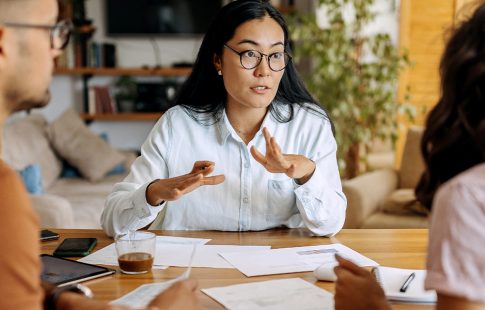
[{"x": 225, "y": 129}]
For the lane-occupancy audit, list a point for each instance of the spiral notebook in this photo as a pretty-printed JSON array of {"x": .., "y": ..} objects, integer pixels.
[{"x": 392, "y": 280}]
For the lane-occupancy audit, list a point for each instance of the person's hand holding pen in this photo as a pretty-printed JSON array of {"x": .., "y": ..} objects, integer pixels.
[
  {"x": 173, "y": 188},
  {"x": 297, "y": 167},
  {"x": 356, "y": 288}
]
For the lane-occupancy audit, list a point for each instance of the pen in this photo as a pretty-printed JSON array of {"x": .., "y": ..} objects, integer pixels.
[{"x": 406, "y": 283}]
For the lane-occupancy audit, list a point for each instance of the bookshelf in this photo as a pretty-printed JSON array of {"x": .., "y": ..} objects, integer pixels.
[
  {"x": 118, "y": 117},
  {"x": 164, "y": 71},
  {"x": 87, "y": 73}
]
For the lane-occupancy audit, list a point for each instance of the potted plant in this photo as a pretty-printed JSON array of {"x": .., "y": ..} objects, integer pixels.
[{"x": 353, "y": 74}]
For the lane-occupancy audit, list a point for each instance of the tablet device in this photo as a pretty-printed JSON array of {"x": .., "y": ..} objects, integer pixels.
[
  {"x": 46, "y": 234},
  {"x": 60, "y": 271}
]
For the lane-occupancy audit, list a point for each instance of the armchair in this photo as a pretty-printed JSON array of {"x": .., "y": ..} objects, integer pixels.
[{"x": 385, "y": 198}]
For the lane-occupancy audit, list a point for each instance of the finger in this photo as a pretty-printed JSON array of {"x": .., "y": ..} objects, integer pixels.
[
  {"x": 208, "y": 170},
  {"x": 214, "y": 180},
  {"x": 258, "y": 156},
  {"x": 291, "y": 170},
  {"x": 350, "y": 266},
  {"x": 267, "y": 138},
  {"x": 275, "y": 146},
  {"x": 202, "y": 165}
]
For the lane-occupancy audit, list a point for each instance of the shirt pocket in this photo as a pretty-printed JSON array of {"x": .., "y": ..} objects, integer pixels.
[{"x": 281, "y": 201}]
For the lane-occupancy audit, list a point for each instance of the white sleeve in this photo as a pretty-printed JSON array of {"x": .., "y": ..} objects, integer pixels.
[
  {"x": 126, "y": 207},
  {"x": 320, "y": 200}
]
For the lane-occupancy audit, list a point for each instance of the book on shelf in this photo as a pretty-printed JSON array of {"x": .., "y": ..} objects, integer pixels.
[{"x": 100, "y": 100}]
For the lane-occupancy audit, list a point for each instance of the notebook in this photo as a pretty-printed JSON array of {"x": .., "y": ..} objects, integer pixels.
[{"x": 392, "y": 279}]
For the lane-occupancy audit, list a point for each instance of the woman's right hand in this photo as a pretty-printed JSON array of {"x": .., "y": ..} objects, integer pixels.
[
  {"x": 174, "y": 188},
  {"x": 181, "y": 295}
]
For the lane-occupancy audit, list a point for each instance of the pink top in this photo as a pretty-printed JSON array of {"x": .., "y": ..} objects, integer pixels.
[{"x": 456, "y": 251}]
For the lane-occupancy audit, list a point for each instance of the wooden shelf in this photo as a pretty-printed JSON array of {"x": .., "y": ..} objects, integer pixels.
[
  {"x": 164, "y": 71},
  {"x": 136, "y": 116}
]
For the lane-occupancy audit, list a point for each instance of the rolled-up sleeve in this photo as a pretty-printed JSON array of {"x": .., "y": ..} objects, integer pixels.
[
  {"x": 320, "y": 200},
  {"x": 126, "y": 208}
]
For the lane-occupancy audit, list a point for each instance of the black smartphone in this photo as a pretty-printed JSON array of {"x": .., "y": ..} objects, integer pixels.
[
  {"x": 75, "y": 247},
  {"x": 46, "y": 234}
]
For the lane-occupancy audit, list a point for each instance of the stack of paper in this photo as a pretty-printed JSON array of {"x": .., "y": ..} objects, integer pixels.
[
  {"x": 392, "y": 279},
  {"x": 287, "y": 260},
  {"x": 108, "y": 256},
  {"x": 275, "y": 294}
]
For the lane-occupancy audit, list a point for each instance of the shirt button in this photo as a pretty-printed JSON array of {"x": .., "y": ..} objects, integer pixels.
[
  {"x": 245, "y": 200},
  {"x": 246, "y": 165}
]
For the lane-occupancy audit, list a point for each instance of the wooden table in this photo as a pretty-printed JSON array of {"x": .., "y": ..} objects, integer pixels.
[{"x": 404, "y": 248}]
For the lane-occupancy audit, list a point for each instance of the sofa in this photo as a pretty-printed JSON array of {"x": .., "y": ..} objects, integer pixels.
[
  {"x": 76, "y": 199},
  {"x": 384, "y": 198}
]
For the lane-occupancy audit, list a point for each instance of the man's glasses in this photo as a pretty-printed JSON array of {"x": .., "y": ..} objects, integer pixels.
[
  {"x": 250, "y": 59},
  {"x": 59, "y": 33}
]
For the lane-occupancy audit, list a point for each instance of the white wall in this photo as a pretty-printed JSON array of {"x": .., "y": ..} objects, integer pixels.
[{"x": 67, "y": 91}]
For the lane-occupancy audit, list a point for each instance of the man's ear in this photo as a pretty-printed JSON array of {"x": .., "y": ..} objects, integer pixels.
[{"x": 216, "y": 60}]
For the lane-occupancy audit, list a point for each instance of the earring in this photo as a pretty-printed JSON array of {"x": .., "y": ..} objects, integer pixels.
[{"x": 219, "y": 72}]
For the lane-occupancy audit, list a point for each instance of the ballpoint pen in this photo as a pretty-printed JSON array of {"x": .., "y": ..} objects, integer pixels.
[{"x": 406, "y": 283}]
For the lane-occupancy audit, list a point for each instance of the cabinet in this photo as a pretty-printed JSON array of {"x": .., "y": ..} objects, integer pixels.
[{"x": 87, "y": 73}]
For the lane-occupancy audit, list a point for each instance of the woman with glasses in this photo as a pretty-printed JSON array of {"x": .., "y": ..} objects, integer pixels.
[{"x": 245, "y": 147}]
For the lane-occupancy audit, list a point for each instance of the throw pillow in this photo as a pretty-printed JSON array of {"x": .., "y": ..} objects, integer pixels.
[
  {"x": 32, "y": 179},
  {"x": 81, "y": 148},
  {"x": 403, "y": 202},
  {"x": 68, "y": 171}
]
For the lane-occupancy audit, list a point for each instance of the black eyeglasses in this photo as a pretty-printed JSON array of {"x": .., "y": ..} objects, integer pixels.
[
  {"x": 59, "y": 33},
  {"x": 250, "y": 59}
]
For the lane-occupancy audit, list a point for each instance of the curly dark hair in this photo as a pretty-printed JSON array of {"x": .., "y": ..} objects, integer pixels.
[{"x": 454, "y": 139}]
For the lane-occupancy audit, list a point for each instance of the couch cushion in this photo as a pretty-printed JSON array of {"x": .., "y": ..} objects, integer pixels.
[
  {"x": 403, "y": 201},
  {"x": 83, "y": 149},
  {"x": 87, "y": 199},
  {"x": 412, "y": 165},
  {"x": 26, "y": 143},
  {"x": 392, "y": 221}
]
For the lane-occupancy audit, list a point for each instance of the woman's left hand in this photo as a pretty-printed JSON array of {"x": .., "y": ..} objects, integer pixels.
[{"x": 297, "y": 167}]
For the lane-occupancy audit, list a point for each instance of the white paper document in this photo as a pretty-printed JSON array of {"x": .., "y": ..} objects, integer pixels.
[
  {"x": 282, "y": 294},
  {"x": 108, "y": 256},
  {"x": 287, "y": 260},
  {"x": 392, "y": 279},
  {"x": 206, "y": 255}
]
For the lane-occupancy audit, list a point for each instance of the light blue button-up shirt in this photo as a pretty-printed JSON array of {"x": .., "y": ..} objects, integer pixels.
[{"x": 250, "y": 198}]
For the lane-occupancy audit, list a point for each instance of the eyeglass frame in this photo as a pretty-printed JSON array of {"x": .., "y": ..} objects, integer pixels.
[
  {"x": 51, "y": 28},
  {"x": 260, "y": 58}
]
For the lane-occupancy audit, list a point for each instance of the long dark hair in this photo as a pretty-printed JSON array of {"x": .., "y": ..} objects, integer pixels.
[
  {"x": 454, "y": 139},
  {"x": 203, "y": 94}
]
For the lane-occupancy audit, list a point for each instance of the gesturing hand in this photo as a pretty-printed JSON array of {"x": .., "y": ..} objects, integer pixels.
[
  {"x": 174, "y": 188},
  {"x": 297, "y": 167}
]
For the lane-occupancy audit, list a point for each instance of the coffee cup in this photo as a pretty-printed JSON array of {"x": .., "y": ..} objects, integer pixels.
[{"x": 136, "y": 251}]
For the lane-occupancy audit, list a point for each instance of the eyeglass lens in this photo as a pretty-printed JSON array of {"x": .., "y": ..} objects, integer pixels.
[
  {"x": 276, "y": 61},
  {"x": 60, "y": 35}
]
